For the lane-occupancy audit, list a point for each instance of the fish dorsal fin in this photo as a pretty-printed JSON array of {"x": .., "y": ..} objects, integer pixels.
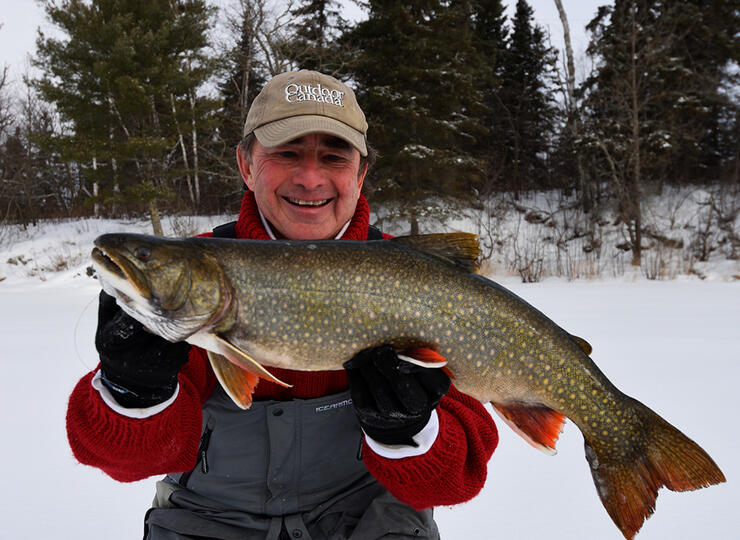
[
  {"x": 459, "y": 249},
  {"x": 540, "y": 426},
  {"x": 583, "y": 344}
]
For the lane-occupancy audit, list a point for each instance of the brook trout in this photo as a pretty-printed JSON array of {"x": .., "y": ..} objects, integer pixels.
[{"x": 304, "y": 305}]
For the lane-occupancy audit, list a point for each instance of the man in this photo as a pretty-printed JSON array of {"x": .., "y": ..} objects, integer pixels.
[{"x": 363, "y": 453}]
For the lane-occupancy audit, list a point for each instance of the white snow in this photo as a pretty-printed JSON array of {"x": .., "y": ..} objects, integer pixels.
[{"x": 672, "y": 344}]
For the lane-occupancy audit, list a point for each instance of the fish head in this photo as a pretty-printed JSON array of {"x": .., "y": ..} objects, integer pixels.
[{"x": 169, "y": 286}]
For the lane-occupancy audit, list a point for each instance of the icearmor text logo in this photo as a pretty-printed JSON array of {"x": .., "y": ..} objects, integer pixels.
[{"x": 336, "y": 405}]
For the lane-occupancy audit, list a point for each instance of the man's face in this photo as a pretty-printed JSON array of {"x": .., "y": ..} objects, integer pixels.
[{"x": 307, "y": 188}]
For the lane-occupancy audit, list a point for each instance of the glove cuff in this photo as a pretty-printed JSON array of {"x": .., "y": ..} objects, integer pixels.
[
  {"x": 403, "y": 434},
  {"x": 132, "y": 396}
]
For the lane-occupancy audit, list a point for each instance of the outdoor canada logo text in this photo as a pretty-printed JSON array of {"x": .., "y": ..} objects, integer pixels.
[{"x": 295, "y": 93}]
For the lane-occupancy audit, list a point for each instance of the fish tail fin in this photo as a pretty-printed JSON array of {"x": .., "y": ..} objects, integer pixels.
[{"x": 628, "y": 483}]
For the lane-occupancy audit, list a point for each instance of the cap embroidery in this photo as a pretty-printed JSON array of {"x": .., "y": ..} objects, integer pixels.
[{"x": 295, "y": 93}]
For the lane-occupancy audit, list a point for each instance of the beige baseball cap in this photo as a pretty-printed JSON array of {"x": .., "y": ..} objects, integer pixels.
[{"x": 296, "y": 103}]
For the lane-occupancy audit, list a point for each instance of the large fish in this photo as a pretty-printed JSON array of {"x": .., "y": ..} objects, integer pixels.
[{"x": 313, "y": 305}]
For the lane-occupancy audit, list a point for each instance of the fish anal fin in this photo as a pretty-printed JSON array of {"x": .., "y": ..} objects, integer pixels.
[
  {"x": 628, "y": 486},
  {"x": 583, "y": 344},
  {"x": 539, "y": 425},
  {"x": 238, "y": 383},
  {"x": 459, "y": 249}
]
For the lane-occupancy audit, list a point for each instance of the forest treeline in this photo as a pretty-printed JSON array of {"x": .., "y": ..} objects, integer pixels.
[{"x": 136, "y": 106}]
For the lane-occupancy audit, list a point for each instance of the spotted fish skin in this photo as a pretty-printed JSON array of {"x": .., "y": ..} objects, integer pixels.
[{"x": 314, "y": 305}]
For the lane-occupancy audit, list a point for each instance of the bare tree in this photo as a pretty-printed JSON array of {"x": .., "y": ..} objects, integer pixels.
[
  {"x": 625, "y": 95},
  {"x": 572, "y": 108},
  {"x": 267, "y": 27}
]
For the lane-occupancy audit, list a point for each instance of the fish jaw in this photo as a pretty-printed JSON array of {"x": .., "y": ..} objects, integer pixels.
[
  {"x": 162, "y": 284},
  {"x": 117, "y": 274}
]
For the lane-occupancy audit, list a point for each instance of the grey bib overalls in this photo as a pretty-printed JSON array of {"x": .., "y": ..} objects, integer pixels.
[{"x": 282, "y": 469}]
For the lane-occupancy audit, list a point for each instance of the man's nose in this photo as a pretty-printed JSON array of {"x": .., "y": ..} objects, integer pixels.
[{"x": 310, "y": 174}]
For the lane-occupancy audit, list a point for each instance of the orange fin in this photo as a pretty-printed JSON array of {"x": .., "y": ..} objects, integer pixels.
[
  {"x": 243, "y": 360},
  {"x": 427, "y": 357},
  {"x": 238, "y": 383},
  {"x": 540, "y": 426},
  {"x": 661, "y": 456},
  {"x": 424, "y": 357}
]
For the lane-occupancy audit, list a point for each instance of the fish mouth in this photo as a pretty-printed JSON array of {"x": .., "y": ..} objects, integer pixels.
[
  {"x": 306, "y": 203},
  {"x": 119, "y": 273}
]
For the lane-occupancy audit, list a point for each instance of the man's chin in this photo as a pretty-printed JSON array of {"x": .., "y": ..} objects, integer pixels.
[{"x": 308, "y": 229}]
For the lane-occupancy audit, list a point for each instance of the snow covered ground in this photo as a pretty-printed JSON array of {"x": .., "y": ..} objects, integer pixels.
[{"x": 675, "y": 345}]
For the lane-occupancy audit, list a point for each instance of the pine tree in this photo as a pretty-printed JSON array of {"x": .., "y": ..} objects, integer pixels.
[
  {"x": 490, "y": 41},
  {"x": 417, "y": 90},
  {"x": 526, "y": 90},
  {"x": 126, "y": 80},
  {"x": 654, "y": 102},
  {"x": 314, "y": 44},
  {"x": 243, "y": 80}
]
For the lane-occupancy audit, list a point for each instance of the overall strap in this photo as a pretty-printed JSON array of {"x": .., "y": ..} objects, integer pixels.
[
  {"x": 227, "y": 230},
  {"x": 373, "y": 233}
]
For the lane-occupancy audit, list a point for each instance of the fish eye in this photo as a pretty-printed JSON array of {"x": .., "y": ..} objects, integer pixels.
[{"x": 143, "y": 253}]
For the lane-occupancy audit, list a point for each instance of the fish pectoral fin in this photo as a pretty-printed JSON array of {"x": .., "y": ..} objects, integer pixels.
[
  {"x": 244, "y": 361},
  {"x": 583, "y": 344},
  {"x": 540, "y": 426},
  {"x": 238, "y": 383},
  {"x": 426, "y": 358}
]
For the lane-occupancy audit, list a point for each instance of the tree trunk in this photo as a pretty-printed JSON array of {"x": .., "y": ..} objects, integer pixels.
[
  {"x": 96, "y": 190},
  {"x": 414, "y": 225},
  {"x": 156, "y": 221},
  {"x": 634, "y": 189},
  {"x": 196, "y": 181},
  {"x": 573, "y": 113},
  {"x": 181, "y": 142}
]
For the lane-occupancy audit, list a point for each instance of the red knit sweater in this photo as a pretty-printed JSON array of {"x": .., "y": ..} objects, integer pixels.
[{"x": 128, "y": 449}]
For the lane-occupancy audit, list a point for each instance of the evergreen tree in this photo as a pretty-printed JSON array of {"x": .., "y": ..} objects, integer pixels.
[
  {"x": 490, "y": 41},
  {"x": 244, "y": 76},
  {"x": 126, "y": 79},
  {"x": 526, "y": 93},
  {"x": 654, "y": 103},
  {"x": 417, "y": 90},
  {"x": 314, "y": 44}
]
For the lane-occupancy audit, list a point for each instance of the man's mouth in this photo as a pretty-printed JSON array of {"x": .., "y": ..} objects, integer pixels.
[{"x": 303, "y": 202}]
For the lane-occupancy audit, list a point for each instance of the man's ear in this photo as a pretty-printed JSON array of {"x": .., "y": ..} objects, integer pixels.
[
  {"x": 245, "y": 167},
  {"x": 361, "y": 177}
]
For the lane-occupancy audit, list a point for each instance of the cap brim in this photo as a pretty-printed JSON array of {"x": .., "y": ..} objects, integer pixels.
[{"x": 288, "y": 129}]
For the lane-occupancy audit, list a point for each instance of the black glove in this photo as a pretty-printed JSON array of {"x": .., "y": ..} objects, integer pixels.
[
  {"x": 138, "y": 367},
  {"x": 393, "y": 398}
]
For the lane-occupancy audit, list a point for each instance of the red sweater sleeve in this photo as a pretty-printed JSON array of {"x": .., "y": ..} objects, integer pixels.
[
  {"x": 129, "y": 449},
  {"x": 455, "y": 467}
]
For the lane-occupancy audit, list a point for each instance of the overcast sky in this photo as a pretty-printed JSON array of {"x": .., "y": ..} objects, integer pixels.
[{"x": 21, "y": 18}]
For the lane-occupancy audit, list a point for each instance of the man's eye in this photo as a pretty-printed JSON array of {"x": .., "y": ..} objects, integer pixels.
[
  {"x": 333, "y": 157},
  {"x": 287, "y": 154}
]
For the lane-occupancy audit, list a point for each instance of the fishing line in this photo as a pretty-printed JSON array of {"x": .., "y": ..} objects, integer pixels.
[{"x": 76, "y": 330}]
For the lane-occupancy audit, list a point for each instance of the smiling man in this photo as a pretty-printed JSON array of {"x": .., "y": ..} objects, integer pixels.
[
  {"x": 361, "y": 453},
  {"x": 307, "y": 188}
]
